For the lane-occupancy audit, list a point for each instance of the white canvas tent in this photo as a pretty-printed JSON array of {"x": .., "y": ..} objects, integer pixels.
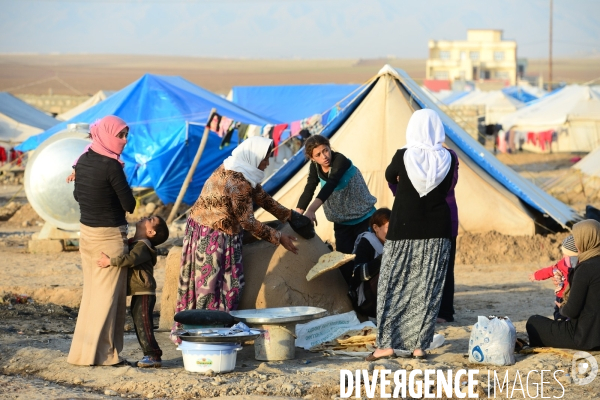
[
  {"x": 376, "y": 128},
  {"x": 19, "y": 120},
  {"x": 92, "y": 101},
  {"x": 573, "y": 112},
  {"x": 580, "y": 183},
  {"x": 497, "y": 104}
]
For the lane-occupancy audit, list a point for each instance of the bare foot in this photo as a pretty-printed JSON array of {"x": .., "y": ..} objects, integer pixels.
[
  {"x": 418, "y": 353},
  {"x": 383, "y": 353},
  {"x": 440, "y": 321}
]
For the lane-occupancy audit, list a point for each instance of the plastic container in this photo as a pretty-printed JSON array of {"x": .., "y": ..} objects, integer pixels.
[{"x": 200, "y": 357}]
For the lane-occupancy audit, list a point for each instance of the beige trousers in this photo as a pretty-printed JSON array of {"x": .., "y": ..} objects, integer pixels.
[{"x": 98, "y": 336}]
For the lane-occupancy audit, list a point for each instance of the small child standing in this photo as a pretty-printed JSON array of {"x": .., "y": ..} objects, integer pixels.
[
  {"x": 141, "y": 285},
  {"x": 559, "y": 272}
]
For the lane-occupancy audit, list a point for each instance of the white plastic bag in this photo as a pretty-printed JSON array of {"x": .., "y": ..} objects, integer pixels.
[
  {"x": 327, "y": 328},
  {"x": 493, "y": 341}
]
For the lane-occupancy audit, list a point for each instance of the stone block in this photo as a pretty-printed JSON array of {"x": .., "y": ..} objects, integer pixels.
[
  {"x": 168, "y": 301},
  {"x": 46, "y": 246}
]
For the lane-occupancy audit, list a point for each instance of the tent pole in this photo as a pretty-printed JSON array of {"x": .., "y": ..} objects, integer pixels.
[{"x": 190, "y": 173}]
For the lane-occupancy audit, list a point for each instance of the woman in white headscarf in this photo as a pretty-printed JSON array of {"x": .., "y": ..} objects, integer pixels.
[
  {"x": 211, "y": 275},
  {"x": 417, "y": 246}
]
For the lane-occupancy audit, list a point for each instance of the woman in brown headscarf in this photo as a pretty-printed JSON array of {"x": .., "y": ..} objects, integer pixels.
[{"x": 582, "y": 330}]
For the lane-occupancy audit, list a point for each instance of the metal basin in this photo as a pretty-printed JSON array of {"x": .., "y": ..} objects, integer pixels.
[
  {"x": 45, "y": 177},
  {"x": 278, "y": 316}
]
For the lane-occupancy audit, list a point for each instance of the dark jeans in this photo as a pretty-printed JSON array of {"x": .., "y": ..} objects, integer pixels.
[
  {"x": 345, "y": 236},
  {"x": 447, "y": 305},
  {"x": 142, "y": 307}
]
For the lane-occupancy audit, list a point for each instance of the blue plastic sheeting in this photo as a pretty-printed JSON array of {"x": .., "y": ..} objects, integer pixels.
[
  {"x": 288, "y": 103},
  {"x": 289, "y": 169},
  {"x": 453, "y": 97},
  {"x": 519, "y": 94},
  {"x": 157, "y": 110},
  {"x": 170, "y": 169},
  {"x": 22, "y": 112},
  {"x": 516, "y": 184}
]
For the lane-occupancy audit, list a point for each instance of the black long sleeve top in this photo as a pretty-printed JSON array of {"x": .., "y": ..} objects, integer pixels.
[
  {"x": 365, "y": 254},
  {"x": 415, "y": 217},
  {"x": 583, "y": 304},
  {"x": 102, "y": 191},
  {"x": 339, "y": 165}
]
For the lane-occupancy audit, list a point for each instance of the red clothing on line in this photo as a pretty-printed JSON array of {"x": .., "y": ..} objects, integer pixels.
[
  {"x": 3, "y": 158},
  {"x": 277, "y": 131}
]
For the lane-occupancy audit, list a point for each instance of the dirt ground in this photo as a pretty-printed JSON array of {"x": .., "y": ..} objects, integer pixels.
[
  {"x": 36, "y": 329},
  {"x": 86, "y": 74}
]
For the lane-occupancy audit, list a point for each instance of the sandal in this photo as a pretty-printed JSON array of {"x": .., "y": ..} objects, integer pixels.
[
  {"x": 420, "y": 357},
  {"x": 122, "y": 363},
  {"x": 371, "y": 357},
  {"x": 520, "y": 344}
]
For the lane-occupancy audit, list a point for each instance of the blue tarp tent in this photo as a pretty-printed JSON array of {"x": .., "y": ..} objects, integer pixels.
[
  {"x": 166, "y": 116},
  {"x": 490, "y": 195},
  {"x": 19, "y": 120},
  {"x": 453, "y": 97},
  {"x": 519, "y": 93},
  {"x": 287, "y": 103}
]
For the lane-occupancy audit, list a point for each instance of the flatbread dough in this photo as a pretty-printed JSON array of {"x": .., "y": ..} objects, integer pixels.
[
  {"x": 351, "y": 341},
  {"x": 327, "y": 262}
]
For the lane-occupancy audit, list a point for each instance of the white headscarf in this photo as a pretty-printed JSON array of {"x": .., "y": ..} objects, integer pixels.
[
  {"x": 246, "y": 157},
  {"x": 427, "y": 162}
]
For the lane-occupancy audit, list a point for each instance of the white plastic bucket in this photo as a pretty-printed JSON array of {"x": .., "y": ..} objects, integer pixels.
[{"x": 200, "y": 357}]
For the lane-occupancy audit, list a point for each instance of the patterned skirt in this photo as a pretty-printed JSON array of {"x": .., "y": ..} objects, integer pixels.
[
  {"x": 411, "y": 281},
  {"x": 211, "y": 275}
]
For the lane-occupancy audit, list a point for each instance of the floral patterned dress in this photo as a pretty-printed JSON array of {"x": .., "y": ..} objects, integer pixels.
[{"x": 211, "y": 274}]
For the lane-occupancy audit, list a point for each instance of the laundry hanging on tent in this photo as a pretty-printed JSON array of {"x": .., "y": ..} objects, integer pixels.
[
  {"x": 227, "y": 137},
  {"x": 313, "y": 124},
  {"x": 254, "y": 130},
  {"x": 277, "y": 132},
  {"x": 215, "y": 122},
  {"x": 242, "y": 132},
  {"x": 3, "y": 157},
  {"x": 267, "y": 131},
  {"x": 295, "y": 127},
  {"x": 224, "y": 126}
]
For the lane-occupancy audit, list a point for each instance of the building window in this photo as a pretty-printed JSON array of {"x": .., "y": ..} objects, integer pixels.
[
  {"x": 444, "y": 55},
  {"x": 440, "y": 75},
  {"x": 474, "y": 55},
  {"x": 499, "y": 56},
  {"x": 463, "y": 55},
  {"x": 501, "y": 75}
]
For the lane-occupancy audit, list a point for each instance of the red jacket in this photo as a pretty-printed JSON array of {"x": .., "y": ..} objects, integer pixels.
[{"x": 545, "y": 273}]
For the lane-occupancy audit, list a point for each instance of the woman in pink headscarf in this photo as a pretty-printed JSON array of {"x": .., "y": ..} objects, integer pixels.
[{"x": 103, "y": 194}]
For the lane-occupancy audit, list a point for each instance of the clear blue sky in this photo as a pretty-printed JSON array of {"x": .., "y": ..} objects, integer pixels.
[{"x": 290, "y": 28}]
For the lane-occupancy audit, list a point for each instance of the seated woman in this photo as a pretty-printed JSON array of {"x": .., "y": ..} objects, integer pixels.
[
  {"x": 211, "y": 275},
  {"x": 581, "y": 305},
  {"x": 344, "y": 195},
  {"x": 369, "y": 249}
]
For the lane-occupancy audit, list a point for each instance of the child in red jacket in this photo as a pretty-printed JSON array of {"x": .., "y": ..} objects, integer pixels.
[{"x": 559, "y": 272}]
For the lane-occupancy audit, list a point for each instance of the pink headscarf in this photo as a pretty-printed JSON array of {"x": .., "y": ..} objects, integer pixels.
[{"x": 104, "y": 137}]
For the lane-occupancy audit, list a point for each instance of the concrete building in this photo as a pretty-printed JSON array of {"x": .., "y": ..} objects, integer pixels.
[{"x": 483, "y": 58}]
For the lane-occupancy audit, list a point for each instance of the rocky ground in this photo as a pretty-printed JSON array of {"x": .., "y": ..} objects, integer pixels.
[{"x": 39, "y": 298}]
